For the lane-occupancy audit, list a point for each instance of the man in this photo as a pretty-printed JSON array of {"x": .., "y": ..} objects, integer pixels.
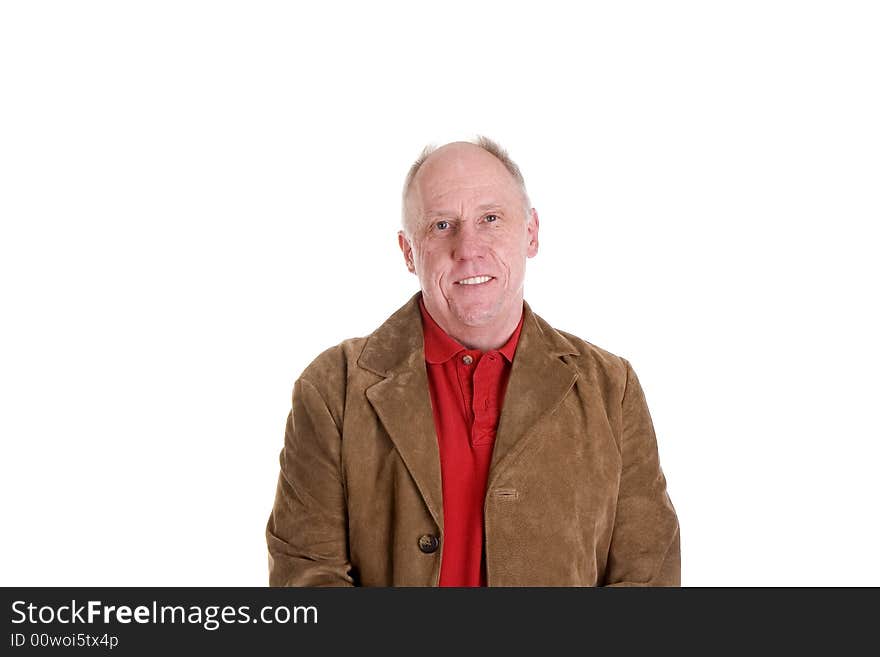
[{"x": 466, "y": 442}]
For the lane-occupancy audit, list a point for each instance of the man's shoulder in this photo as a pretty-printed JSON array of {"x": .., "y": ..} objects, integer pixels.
[
  {"x": 398, "y": 333},
  {"x": 593, "y": 352},
  {"x": 332, "y": 365},
  {"x": 401, "y": 330},
  {"x": 587, "y": 357}
]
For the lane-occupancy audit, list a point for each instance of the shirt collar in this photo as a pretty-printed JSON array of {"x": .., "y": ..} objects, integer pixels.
[{"x": 440, "y": 346}]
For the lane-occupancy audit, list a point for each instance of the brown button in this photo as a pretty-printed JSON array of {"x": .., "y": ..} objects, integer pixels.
[
  {"x": 428, "y": 543},
  {"x": 467, "y": 360}
]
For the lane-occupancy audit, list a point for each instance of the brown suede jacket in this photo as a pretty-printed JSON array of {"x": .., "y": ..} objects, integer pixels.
[{"x": 575, "y": 495}]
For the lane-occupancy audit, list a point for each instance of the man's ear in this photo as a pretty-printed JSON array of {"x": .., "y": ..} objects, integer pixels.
[
  {"x": 406, "y": 249},
  {"x": 532, "y": 230}
]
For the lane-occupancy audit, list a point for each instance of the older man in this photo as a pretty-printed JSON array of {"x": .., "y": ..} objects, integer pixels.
[{"x": 466, "y": 442}]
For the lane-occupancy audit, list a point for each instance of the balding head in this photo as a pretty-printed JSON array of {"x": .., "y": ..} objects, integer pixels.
[{"x": 465, "y": 156}]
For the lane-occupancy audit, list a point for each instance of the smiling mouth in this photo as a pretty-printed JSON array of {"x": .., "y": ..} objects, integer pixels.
[{"x": 475, "y": 280}]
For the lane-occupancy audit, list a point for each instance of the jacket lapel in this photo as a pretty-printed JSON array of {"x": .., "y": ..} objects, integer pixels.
[
  {"x": 539, "y": 381},
  {"x": 396, "y": 351}
]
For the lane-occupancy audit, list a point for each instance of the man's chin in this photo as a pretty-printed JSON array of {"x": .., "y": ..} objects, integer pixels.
[{"x": 476, "y": 315}]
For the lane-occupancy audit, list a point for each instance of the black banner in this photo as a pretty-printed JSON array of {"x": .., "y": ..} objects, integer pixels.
[{"x": 125, "y": 621}]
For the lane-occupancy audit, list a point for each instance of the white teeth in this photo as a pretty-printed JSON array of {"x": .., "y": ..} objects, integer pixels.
[{"x": 476, "y": 280}]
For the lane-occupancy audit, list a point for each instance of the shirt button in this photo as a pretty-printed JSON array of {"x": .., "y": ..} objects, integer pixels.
[
  {"x": 428, "y": 543},
  {"x": 467, "y": 360}
]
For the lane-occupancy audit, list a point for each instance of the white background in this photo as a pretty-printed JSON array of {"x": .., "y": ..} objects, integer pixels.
[{"x": 197, "y": 198}]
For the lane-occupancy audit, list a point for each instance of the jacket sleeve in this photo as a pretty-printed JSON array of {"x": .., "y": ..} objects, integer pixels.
[
  {"x": 307, "y": 530},
  {"x": 645, "y": 544}
]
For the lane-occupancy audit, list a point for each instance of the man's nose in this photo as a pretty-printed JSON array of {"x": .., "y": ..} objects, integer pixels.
[{"x": 468, "y": 244}]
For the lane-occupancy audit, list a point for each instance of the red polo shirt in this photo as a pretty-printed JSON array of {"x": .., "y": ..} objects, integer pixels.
[{"x": 467, "y": 390}]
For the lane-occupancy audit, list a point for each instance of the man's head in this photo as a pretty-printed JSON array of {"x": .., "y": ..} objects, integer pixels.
[{"x": 466, "y": 214}]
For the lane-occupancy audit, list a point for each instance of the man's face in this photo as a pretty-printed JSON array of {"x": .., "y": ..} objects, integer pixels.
[{"x": 467, "y": 218}]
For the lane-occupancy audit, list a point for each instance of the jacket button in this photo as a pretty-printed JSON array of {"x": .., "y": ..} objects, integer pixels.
[{"x": 428, "y": 543}]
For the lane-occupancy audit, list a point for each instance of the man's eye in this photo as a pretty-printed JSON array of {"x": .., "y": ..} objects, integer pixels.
[
  {"x": 441, "y": 225},
  {"x": 491, "y": 217}
]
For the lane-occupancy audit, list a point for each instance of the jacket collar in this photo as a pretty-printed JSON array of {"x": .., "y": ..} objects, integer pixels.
[
  {"x": 392, "y": 346},
  {"x": 539, "y": 381}
]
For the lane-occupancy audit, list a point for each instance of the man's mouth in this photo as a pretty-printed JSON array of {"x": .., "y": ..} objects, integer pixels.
[{"x": 475, "y": 280}]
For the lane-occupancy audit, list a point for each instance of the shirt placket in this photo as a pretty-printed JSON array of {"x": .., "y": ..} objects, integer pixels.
[
  {"x": 465, "y": 366},
  {"x": 485, "y": 399}
]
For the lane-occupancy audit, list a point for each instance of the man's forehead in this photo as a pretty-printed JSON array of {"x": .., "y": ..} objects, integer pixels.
[
  {"x": 452, "y": 198},
  {"x": 481, "y": 180}
]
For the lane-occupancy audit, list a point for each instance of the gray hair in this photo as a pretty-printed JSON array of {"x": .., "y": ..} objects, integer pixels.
[{"x": 488, "y": 145}]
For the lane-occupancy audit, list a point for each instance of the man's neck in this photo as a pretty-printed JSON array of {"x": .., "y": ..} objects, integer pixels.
[{"x": 483, "y": 338}]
